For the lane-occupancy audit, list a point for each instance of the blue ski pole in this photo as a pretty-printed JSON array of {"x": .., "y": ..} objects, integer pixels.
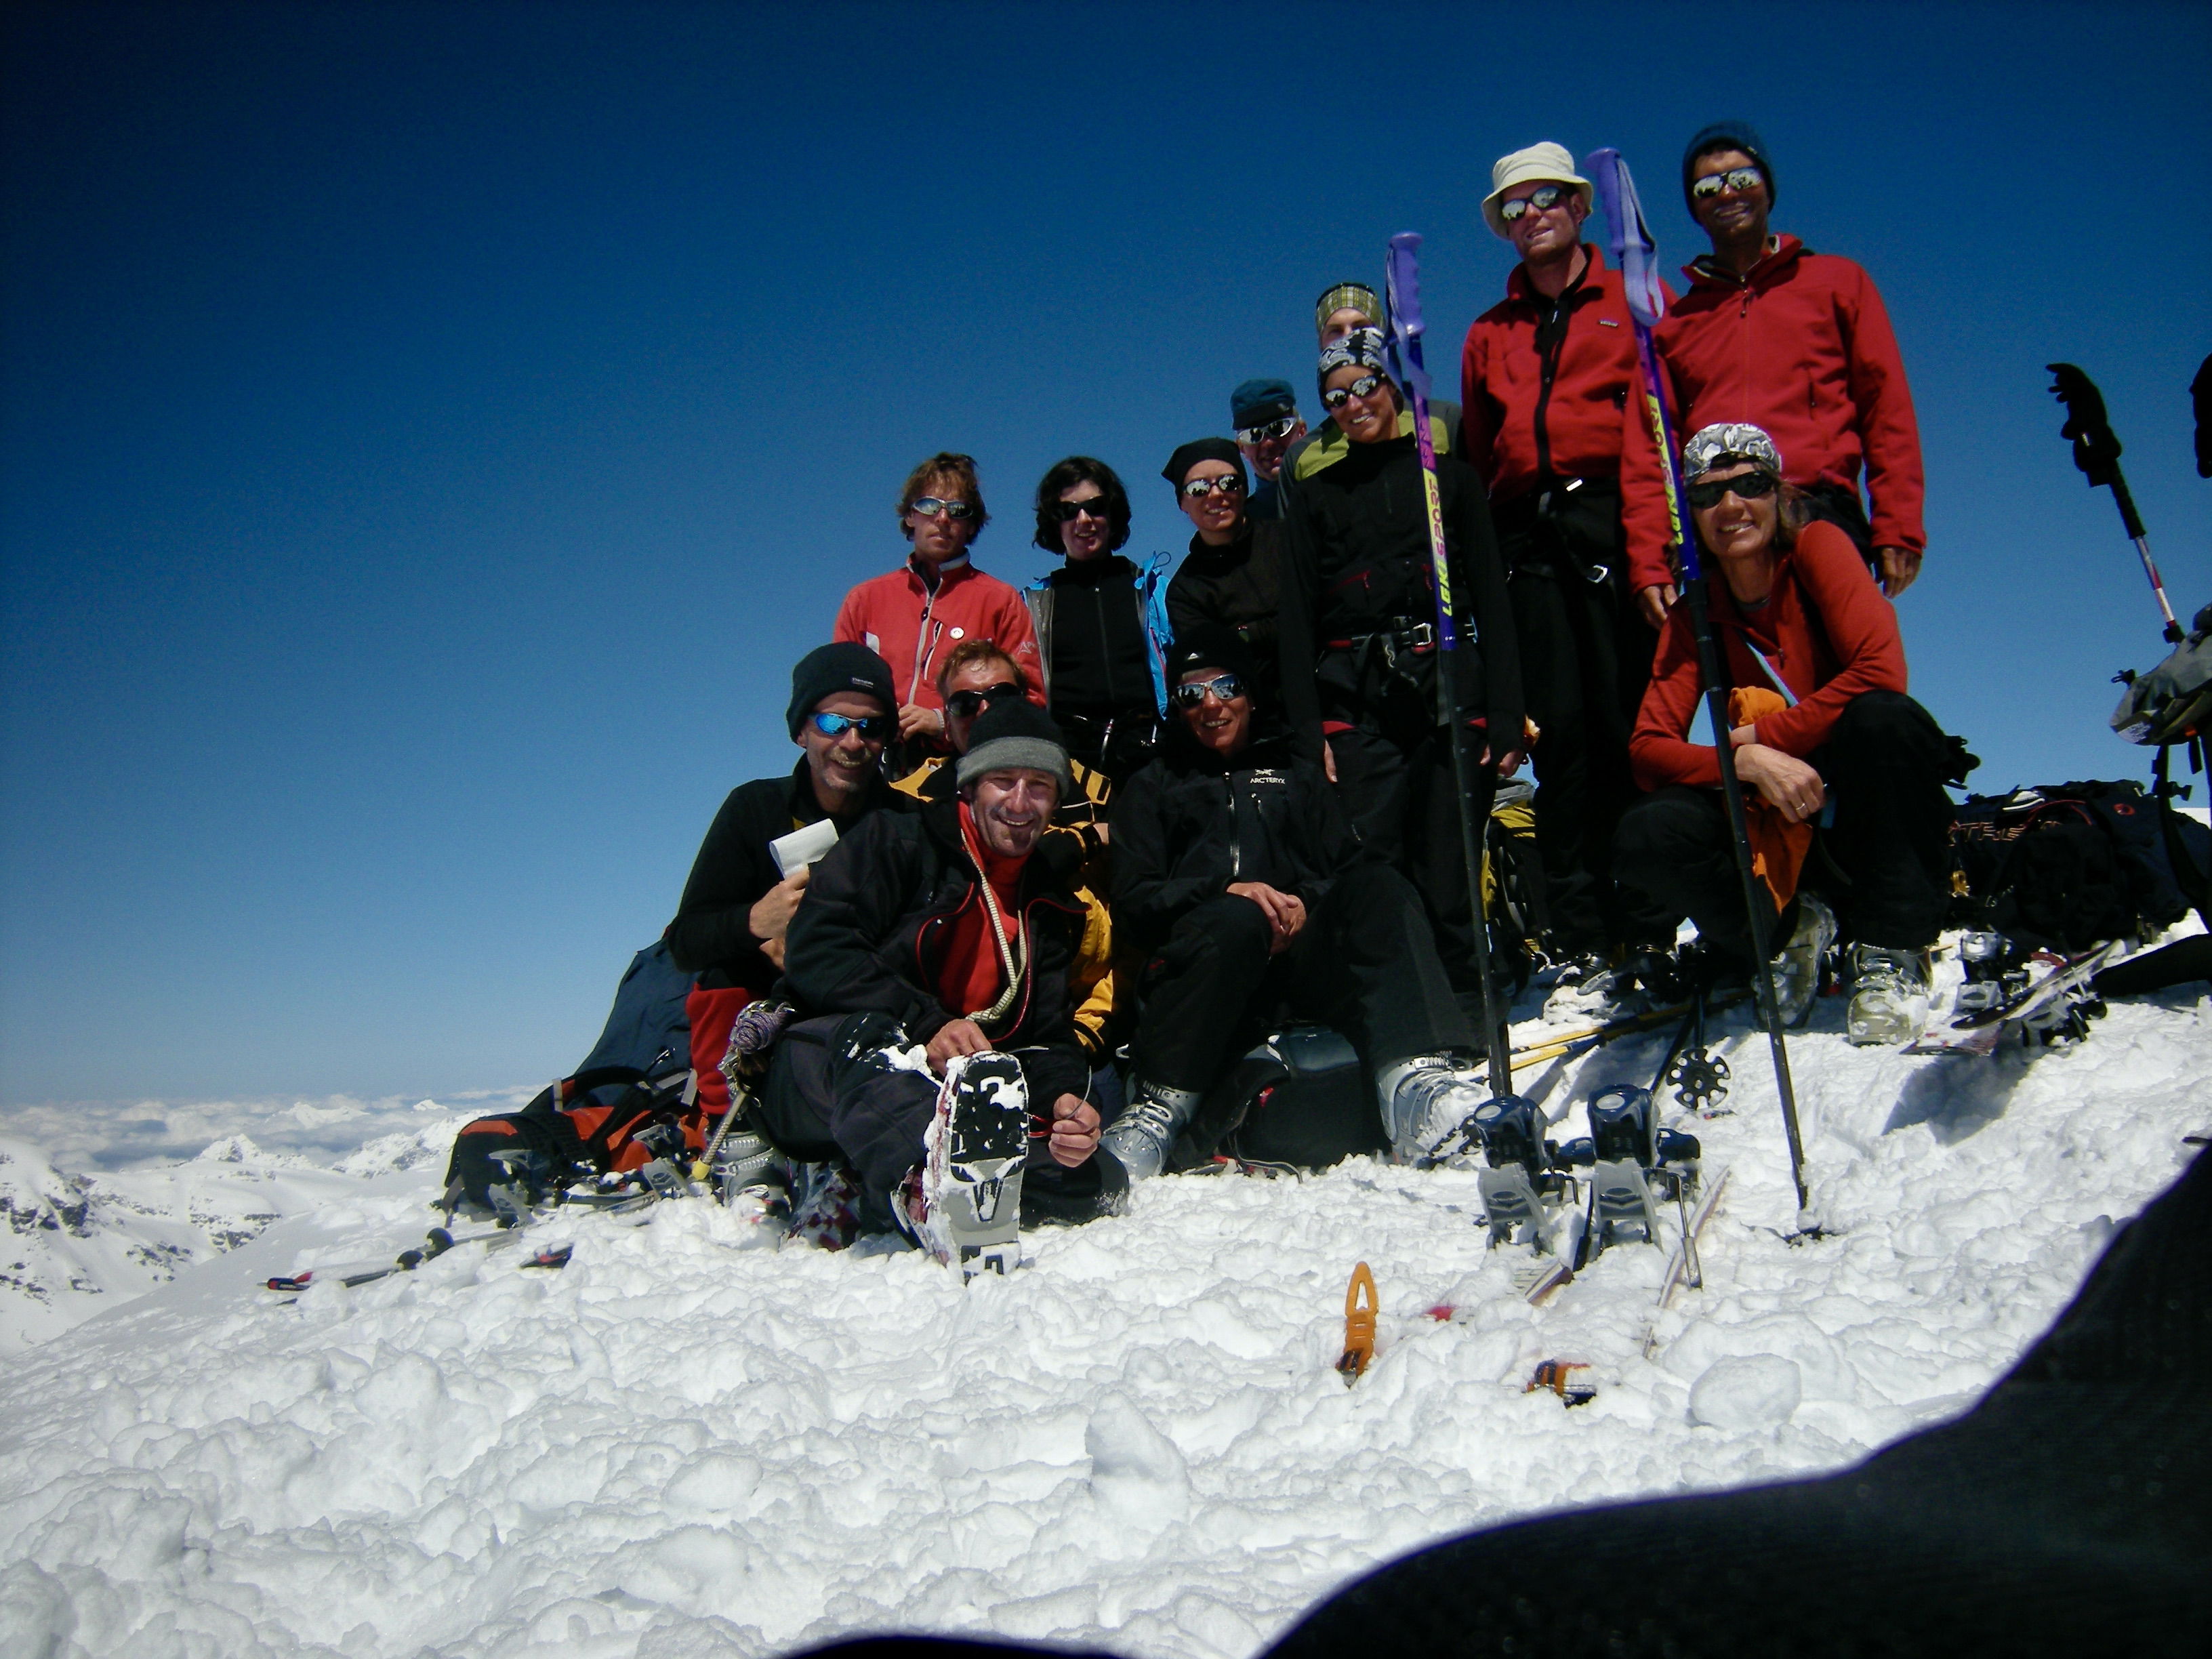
[{"x": 1635, "y": 255}]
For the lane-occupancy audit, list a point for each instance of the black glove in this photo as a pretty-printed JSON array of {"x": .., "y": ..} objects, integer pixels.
[{"x": 2096, "y": 451}]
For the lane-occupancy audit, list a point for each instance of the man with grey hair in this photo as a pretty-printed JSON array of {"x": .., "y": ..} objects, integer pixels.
[
  {"x": 936, "y": 964},
  {"x": 1545, "y": 374}
]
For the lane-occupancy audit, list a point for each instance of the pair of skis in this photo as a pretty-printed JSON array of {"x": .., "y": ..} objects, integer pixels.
[{"x": 2051, "y": 1009}]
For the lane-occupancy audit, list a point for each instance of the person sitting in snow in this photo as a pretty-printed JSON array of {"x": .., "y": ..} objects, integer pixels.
[
  {"x": 937, "y": 967},
  {"x": 1240, "y": 881},
  {"x": 1807, "y": 638}
]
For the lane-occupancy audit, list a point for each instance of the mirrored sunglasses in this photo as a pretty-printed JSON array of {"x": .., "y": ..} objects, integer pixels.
[
  {"x": 1226, "y": 687},
  {"x": 1337, "y": 396},
  {"x": 1736, "y": 181},
  {"x": 1542, "y": 199},
  {"x": 1260, "y": 434},
  {"x": 1227, "y": 484},
  {"x": 876, "y": 728},
  {"x": 930, "y": 506}
]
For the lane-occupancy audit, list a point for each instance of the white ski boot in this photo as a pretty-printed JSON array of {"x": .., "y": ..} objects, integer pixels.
[
  {"x": 1797, "y": 964},
  {"x": 1145, "y": 1134},
  {"x": 1424, "y": 1100},
  {"x": 1889, "y": 996},
  {"x": 963, "y": 1204}
]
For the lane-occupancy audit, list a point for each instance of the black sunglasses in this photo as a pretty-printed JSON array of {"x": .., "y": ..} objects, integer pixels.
[
  {"x": 1542, "y": 199},
  {"x": 1226, "y": 687},
  {"x": 969, "y": 704},
  {"x": 1749, "y": 487},
  {"x": 876, "y": 728},
  {"x": 1736, "y": 181},
  {"x": 1337, "y": 396},
  {"x": 1067, "y": 512}
]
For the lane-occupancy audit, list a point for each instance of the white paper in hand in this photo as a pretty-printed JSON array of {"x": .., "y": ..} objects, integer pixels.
[{"x": 802, "y": 847}]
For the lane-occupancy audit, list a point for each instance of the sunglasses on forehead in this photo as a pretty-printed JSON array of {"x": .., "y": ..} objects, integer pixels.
[
  {"x": 1260, "y": 434},
  {"x": 1749, "y": 487},
  {"x": 1542, "y": 199},
  {"x": 1337, "y": 396},
  {"x": 969, "y": 704},
  {"x": 1226, "y": 687},
  {"x": 1736, "y": 181},
  {"x": 876, "y": 728}
]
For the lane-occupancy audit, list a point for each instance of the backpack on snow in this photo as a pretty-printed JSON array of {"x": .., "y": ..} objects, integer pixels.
[
  {"x": 1301, "y": 1098},
  {"x": 2066, "y": 866}
]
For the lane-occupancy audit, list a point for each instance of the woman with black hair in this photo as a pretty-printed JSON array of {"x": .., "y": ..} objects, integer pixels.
[{"x": 1100, "y": 621}]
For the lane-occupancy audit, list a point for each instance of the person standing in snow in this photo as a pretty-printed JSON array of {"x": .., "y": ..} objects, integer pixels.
[
  {"x": 731, "y": 924},
  {"x": 1240, "y": 883},
  {"x": 932, "y": 941},
  {"x": 1545, "y": 376},
  {"x": 1231, "y": 577},
  {"x": 1100, "y": 621},
  {"x": 936, "y": 599},
  {"x": 1358, "y": 646},
  {"x": 1797, "y": 343},
  {"x": 1264, "y": 414},
  {"x": 1797, "y": 612}
]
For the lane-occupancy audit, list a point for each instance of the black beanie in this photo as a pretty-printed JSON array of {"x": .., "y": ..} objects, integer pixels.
[
  {"x": 827, "y": 670},
  {"x": 1014, "y": 732},
  {"x": 1189, "y": 455},
  {"x": 1728, "y": 135},
  {"x": 1210, "y": 646}
]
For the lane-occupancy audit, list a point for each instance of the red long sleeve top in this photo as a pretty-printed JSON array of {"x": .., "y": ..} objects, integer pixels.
[
  {"x": 1800, "y": 346},
  {"x": 898, "y": 617},
  {"x": 1515, "y": 422},
  {"x": 1826, "y": 629}
]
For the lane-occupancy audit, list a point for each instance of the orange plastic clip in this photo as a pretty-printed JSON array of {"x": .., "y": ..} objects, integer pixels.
[{"x": 1358, "y": 1325}]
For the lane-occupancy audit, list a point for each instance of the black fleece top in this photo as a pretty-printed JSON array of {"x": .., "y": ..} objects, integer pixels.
[
  {"x": 1238, "y": 586},
  {"x": 1102, "y": 666},
  {"x": 1359, "y": 559},
  {"x": 1189, "y": 823},
  {"x": 711, "y": 934}
]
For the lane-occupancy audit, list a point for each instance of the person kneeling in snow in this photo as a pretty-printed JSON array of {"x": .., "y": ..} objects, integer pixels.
[
  {"x": 935, "y": 964},
  {"x": 1807, "y": 638},
  {"x": 1244, "y": 886}
]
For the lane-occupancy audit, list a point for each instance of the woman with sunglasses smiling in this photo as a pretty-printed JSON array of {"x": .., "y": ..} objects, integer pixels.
[
  {"x": 1099, "y": 620},
  {"x": 1796, "y": 614},
  {"x": 937, "y": 600},
  {"x": 1357, "y": 642},
  {"x": 1231, "y": 577}
]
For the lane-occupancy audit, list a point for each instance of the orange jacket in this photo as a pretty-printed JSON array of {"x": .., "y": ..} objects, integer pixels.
[{"x": 1826, "y": 630}]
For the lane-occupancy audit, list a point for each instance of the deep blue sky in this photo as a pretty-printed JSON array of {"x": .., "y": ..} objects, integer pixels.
[{"x": 430, "y": 432}]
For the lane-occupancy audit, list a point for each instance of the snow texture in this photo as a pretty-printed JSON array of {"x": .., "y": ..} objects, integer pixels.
[{"x": 679, "y": 1447}]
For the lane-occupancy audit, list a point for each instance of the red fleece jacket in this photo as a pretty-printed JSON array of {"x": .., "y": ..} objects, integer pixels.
[
  {"x": 896, "y": 616},
  {"x": 1801, "y": 346},
  {"x": 1508, "y": 418},
  {"x": 1826, "y": 629}
]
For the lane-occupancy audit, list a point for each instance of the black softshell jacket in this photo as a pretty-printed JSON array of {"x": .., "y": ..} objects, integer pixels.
[
  {"x": 1358, "y": 560},
  {"x": 711, "y": 934},
  {"x": 871, "y": 935},
  {"x": 1188, "y": 824}
]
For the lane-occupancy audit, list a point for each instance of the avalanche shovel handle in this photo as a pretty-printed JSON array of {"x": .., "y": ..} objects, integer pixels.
[{"x": 1358, "y": 1325}]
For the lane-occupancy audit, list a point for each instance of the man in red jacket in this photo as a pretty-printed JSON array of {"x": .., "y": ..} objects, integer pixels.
[
  {"x": 913, "y": 617},
  {"x": 1798, "y": 344},
  {"x": 1545, "y": 378}
]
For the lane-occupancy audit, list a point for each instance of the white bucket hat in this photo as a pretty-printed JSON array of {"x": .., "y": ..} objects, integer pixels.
[{"x": 1539, "y": 163}]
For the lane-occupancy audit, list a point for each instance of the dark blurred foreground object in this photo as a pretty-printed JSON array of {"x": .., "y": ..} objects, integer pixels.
[
  {"x": 2097, "y": 453},
  {"x": 2200, "y": 399},
  {"x": 2065, "y": 1515}
]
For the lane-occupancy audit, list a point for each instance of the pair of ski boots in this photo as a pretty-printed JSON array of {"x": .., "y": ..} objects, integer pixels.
[{"x": 1634, "y": 1164}]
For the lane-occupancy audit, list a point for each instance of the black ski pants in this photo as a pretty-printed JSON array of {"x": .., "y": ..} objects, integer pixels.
[
  {"x": 832, "y": 1096},
  {"x": 1586, "y": 658},
  {"x": 1398, "y": 788},
  {"x": 1364, "y": 963},
  {"x": 1884, "y": 766}
]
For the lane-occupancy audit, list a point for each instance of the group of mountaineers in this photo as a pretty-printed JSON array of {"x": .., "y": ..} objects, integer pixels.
[{"x": 1093, "y": 836}]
